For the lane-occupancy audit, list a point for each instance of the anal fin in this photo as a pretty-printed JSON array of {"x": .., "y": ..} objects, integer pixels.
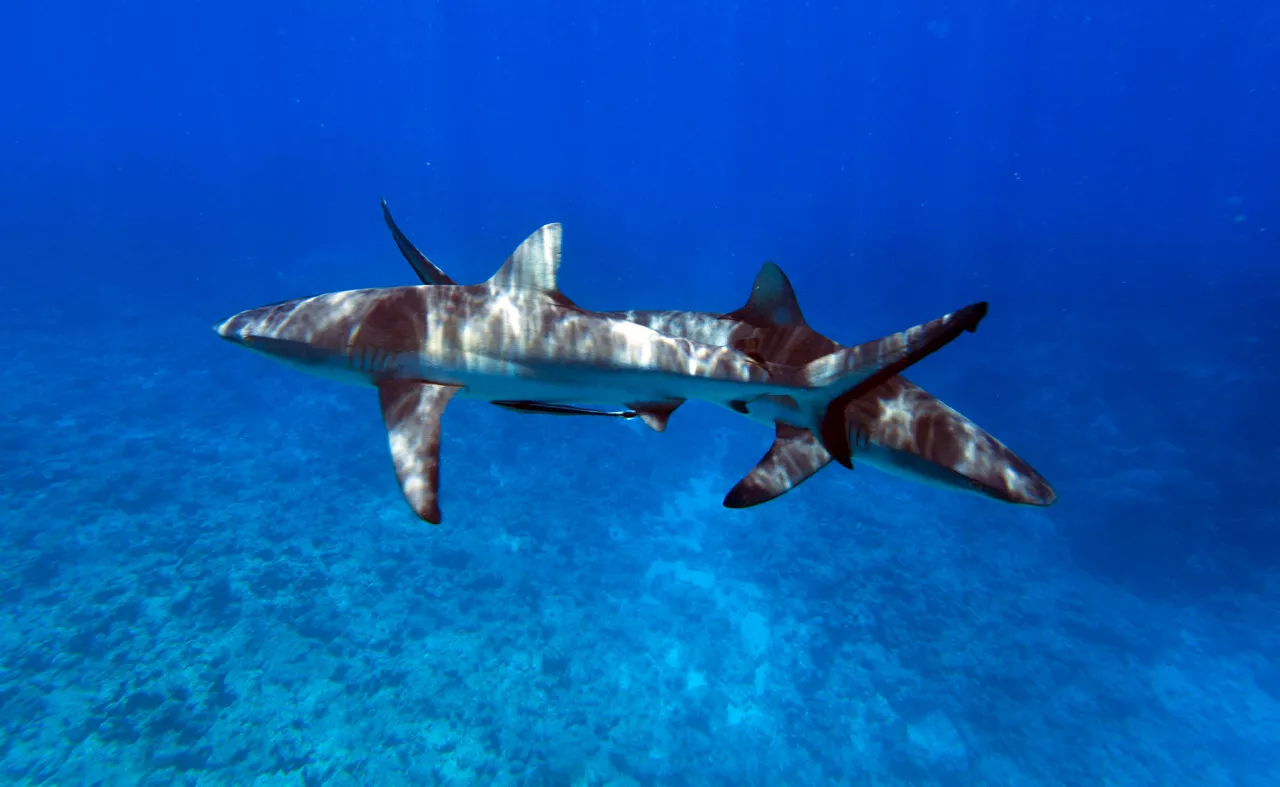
[
  {"x": 656, "y": 414},
  {"x": 411, "y": 411},
  {"x": 796, "y": 454}
]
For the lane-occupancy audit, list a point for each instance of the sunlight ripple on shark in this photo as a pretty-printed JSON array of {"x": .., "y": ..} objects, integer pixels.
[
  {"x": 897, "y": 426},
  {"x": 517, "y": 338}
]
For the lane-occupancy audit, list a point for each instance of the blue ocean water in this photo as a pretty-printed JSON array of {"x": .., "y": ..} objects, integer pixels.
[{"x": 209, "y": 576}]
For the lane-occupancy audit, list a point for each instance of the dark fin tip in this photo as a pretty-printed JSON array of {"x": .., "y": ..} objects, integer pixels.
[
  {"x": 430, "y": 514},
  {"x": 739, "y": 406},
  {"x": 737, "y": 498},
  {"x": 975, "y": 314},
  {"x": 835, "y": 433}
]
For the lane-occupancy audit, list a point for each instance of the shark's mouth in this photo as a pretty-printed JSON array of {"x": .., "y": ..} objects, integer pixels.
[{"x": 366, "y": 361}]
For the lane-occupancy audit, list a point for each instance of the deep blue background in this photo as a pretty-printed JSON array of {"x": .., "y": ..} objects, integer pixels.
[
  {"x": 1022, "y": 144},
  {"x": 1104, "y": 173}
]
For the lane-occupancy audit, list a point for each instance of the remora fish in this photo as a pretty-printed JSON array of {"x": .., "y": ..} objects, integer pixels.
[
  {"x": 896, "y": 426},
  {"x": 517, "y": 337}
]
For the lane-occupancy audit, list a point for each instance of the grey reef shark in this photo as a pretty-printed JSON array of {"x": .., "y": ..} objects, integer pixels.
[
  {"x": 518, "y": 338},
  {"x": 896, "y": 426}
]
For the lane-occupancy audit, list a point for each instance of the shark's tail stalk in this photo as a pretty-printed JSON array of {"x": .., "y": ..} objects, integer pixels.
[{"x": 854, "y": 371}]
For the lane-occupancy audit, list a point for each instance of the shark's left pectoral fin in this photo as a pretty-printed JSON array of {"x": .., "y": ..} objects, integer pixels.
[
  {"x": 411, "y": 410},
  {"x": 796, "y": 454}
]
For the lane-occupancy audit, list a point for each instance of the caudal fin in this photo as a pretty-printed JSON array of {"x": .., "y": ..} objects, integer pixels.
[{"x": 847, "y": 374}]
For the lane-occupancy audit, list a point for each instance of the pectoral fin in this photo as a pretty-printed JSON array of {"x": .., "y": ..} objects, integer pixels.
[
  {"x": 411, "y": 411},
  {"x": 796, "y": 454}
]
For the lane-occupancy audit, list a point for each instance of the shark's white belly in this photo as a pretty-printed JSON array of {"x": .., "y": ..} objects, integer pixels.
[
  {"x": 767, "y": 403},
  {"x": 587, "y": 386}
]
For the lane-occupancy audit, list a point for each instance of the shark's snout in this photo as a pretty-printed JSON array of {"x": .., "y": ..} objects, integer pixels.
[
  {"x": 348, "y": 336},
  {"x": 263, "y": 329},
  {"x": 273, "y": 321},
  {"x": 232, "y": 328}
]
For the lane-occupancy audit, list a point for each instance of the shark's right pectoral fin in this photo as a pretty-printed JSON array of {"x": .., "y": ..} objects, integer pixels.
[
  {"x": 411, "y": 410},
  {"x": 796, "y": 454}
]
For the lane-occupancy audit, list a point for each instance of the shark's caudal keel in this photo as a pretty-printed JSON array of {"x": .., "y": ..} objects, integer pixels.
[
  {"x": 892, "y": 425},
  {"x": 517, "y": 338}
]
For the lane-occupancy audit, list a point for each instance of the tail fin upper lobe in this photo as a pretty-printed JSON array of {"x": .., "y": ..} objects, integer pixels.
[{"x": 852, "y": 372}]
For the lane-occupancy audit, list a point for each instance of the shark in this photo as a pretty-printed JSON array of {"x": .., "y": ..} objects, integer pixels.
[
  {"x": 518, "y": 338},
  {"x": 896, "y": 426}
]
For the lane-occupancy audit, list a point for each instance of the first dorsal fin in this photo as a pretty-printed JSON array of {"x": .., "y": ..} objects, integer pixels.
[
  {"x": 772, "y": 301},
  {"x": 534, "y": 265}
]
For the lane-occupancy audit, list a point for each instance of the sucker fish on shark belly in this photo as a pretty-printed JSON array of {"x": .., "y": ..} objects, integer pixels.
[
  {"x": 516, "y": 337},
  {"x": 898, "y": 427},
  {"x": 545, "y": 408}
]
